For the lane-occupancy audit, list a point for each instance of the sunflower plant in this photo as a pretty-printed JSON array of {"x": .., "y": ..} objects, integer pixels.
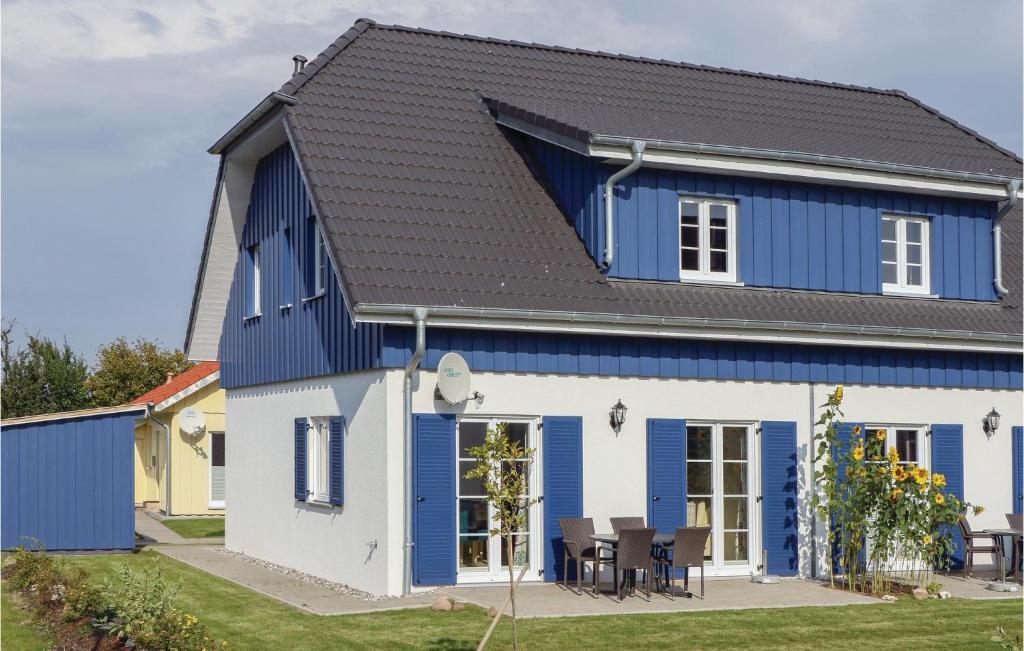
[{"x": 890, "y": 519}]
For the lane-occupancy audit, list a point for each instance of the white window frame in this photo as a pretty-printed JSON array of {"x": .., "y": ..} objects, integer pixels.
[
  {"x": 901, "y": 286},
  {"x": 317, "y": 427},
  {"x": 495, "y": 572},
  {"x": 255, "y": 259},
  {"x": 214, "y": 504},
  {"x": 319, "y": 261},
  {"x": 923, "y": 454},
  {"x": 718, "y": 566},
  {"x": 704, "y": 273}
]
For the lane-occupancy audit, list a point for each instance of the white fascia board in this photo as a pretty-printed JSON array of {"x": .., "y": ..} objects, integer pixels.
[
  {"x": 687, "y": 328},
  {"x": 71, "y": 415},
  {"x": 805, "y": 172},
  {"x": 187, "y": 391}
]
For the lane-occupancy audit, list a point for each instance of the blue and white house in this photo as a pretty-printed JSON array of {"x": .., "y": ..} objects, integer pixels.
[{"x": 713, "y": 249}]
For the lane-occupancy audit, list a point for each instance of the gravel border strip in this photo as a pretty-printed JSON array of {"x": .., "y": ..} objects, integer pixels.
[{"x": 308, "y": 578}]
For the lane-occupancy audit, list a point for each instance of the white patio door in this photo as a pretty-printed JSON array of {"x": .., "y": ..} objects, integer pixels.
[
  {"x": 482, "y": 557},
  {"x": 719, "y": 478}
]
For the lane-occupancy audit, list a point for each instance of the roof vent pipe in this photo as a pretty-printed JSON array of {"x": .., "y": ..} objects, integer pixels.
[
  {"x": 300, "y": 63},
  {"x": 609, "y": 202},
  {"x": 1012, "y": 188}
]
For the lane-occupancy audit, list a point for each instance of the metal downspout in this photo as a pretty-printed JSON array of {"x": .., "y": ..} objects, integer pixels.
[
  {"x": 609, "y": 202},
  {"x": 419, "y": 315},
  {"x": 997, "y": 237},
  {"x": 167, "y": 456}
]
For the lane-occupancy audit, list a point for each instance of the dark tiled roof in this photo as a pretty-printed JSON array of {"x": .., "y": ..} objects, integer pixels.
[{"x": 427, "y": 202}]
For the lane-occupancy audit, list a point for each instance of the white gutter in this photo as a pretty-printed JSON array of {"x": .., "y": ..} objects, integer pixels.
[
  {"x": 167, "y": 457},
  {"x": 816, "y": 159},
  {"x": 609, "y": 201},
  {"x": 703, "y": 328},
  {"x": 419, "y": 316},
  {"x": 1012, "y": 189}
]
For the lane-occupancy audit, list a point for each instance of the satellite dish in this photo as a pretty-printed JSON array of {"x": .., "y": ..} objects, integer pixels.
[
  {"x": 453, "y": 378},
  {"x": 192, "y": 422}
]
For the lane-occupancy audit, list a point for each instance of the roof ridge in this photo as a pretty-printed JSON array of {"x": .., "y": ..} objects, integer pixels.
[
  {"x": 966, "y": 129},
  {"x": 641, "y": 59},
  {"x": 300, "y": 78}
]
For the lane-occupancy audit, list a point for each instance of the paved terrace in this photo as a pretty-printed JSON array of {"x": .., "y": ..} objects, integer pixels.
[{"x": 544, "y": 600}]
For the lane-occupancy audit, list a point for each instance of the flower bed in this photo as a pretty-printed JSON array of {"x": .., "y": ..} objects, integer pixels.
[{"x": 136, "y": 612}]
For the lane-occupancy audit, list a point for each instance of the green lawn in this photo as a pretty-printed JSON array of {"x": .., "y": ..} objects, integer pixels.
[
  {"x": 196, "y": 527},
  {"x": 248, "y": 620},
  {"x": 18, "y": 629}
]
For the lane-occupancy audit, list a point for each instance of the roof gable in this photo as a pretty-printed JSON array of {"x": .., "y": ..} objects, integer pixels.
[{"x": 194, "y": 378}]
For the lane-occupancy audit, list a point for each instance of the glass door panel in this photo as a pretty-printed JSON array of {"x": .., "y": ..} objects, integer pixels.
[{"x": 718, "y": 490}]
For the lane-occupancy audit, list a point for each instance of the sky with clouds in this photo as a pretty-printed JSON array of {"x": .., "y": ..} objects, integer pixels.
[{"x": 108, "y": 107}]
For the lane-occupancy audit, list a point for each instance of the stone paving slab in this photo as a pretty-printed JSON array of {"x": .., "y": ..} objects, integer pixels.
[
  {"x": 154, "y": 532},
  {"x": 549, "y": 600},
  {"x": 304, "y": 595}
]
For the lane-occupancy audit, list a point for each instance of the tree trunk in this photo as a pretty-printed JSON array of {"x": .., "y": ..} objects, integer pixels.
[{"x": 510, "y": 541}]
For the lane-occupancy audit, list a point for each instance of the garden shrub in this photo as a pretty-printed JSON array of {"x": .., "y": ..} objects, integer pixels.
[{"x": 81, "y": 598}]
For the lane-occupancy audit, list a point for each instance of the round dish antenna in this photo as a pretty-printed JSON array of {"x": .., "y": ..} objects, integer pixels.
[
  {"x": 192, "y": 422},
  {"x": 453, "y": 378}
]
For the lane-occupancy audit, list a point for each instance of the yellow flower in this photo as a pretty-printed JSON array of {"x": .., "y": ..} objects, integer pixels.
[
  {"x": 939, "y": 498},
  {"x": 839, "y": 393},
  {"x": 978, "y": 510},
  {"x": 897, "y": 494},
  {"x": 894, "y": 455},
  {"x": 856, "y": 430},
  {"x": 858, "y": 453},
  {"x": 927, "y": 539},
  {"x": 880, "y": 435},
  {"x": 938, "y": 479}
]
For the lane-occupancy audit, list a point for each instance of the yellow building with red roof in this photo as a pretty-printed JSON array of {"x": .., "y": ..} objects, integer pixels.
[{"x": 186, "y": 417}]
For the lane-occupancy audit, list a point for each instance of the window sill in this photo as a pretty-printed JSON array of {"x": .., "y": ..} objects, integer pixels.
[
  {"x": 709, "y": 281},
  {"x": 313, "y": 297},
  {"x": 899, "y": 294},
  {"x": 246, "y": 319},
  {"x": 321, "y": 504},
  {"x": 286, "y": 306}
]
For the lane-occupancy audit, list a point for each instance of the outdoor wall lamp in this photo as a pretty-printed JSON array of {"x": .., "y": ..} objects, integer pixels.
[
  {"x": 617, "y": 416},
  {"x": 991, "y": 422}
]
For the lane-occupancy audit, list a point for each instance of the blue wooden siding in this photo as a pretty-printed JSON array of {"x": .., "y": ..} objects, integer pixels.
[
  {"x": 791, "y": 235},
  {"x": 311, "y": 338},
  {"x": 69, "y": 483},
  {"x": 565, "y": 354}
]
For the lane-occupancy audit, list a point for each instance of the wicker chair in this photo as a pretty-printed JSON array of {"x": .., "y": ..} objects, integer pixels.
[
  {"x": 579, "y": 547},
  {"x": 633, "y": 553},
  {"x": 687, "y": 552},
  {"x": 1016, "y": 521},
  {"x": 971, "y": 547},
  {"x": 618, "y": 524}
]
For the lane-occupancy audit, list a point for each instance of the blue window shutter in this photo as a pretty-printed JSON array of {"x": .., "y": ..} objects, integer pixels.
[
  {"x": 434, "y": 535},
  {"x": 300, "y": 459},
  {"x": 844, "y": 433},
  {"x": 337, "y": 461},
  {"x": 666, "y": 474},
  {"x": 1018, "y": 467},
  {"x": 563, "y": 485},
  {"x": 948, "y": 459},
  {"x": 778, "y": 501}
]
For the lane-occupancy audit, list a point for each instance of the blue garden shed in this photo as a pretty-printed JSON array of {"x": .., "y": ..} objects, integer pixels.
[{"x": 68, "y": 479}]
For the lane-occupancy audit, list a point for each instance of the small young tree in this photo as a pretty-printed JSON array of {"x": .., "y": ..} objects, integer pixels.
[{"x": 503, "y": 466}]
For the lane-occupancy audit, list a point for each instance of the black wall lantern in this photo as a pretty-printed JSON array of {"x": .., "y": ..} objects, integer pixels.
[
  {"x": 991, "y": 422},
  {"x": 617, "y": 416}
]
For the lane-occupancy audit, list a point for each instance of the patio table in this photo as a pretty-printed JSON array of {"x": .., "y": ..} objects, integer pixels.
[
  {"x": 997, "y": 536},
  {"x": 612, "y": 539}
]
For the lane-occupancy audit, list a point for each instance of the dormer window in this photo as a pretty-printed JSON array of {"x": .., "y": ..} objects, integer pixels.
[
  {"x": 905, "y": 263},
  {"x": 707, "y": 240}
]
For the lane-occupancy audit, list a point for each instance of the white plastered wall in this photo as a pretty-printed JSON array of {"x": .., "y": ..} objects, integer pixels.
[
  {"x": 265, "y": 520},
  {"x": 614, "y": 466}
]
